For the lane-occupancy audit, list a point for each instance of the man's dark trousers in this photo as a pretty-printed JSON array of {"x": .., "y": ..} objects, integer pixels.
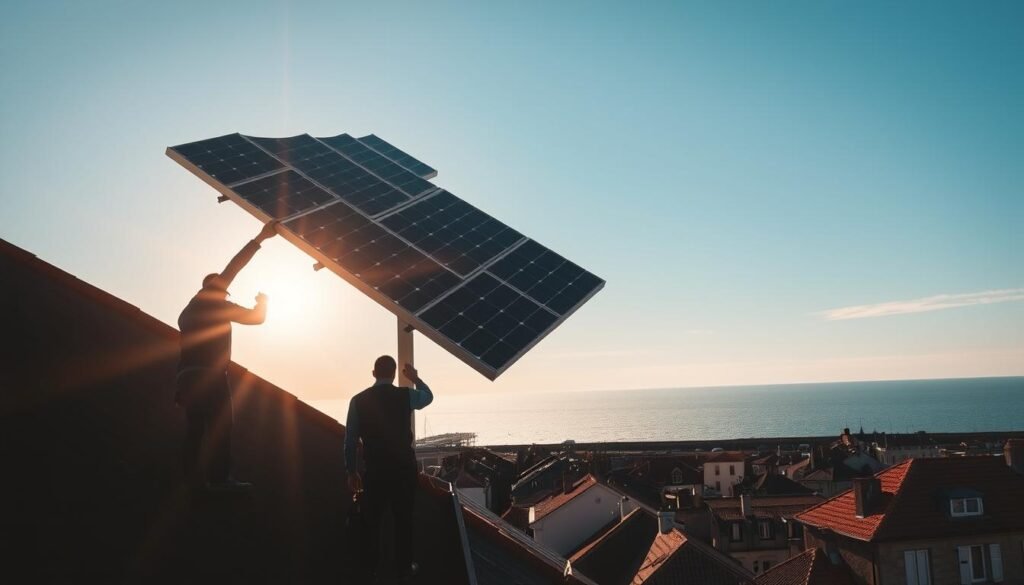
[
  {"x": 206, "y": 396},
  {"x": 393, "y": 490}
]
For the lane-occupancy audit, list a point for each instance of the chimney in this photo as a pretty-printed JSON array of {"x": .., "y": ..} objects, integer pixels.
[
  {"x": 666, "y": 520},
  {"x": 1013, "y": 450},
  {"x": 866, "y": 491},
  {"x": 624, "y": 508},
  {"x": 747, "y": 505}
]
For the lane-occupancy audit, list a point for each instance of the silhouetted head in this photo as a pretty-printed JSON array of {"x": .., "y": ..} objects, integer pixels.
[
  {"x": 384, "y": 368},
  {"x": 214, "y": 283}
]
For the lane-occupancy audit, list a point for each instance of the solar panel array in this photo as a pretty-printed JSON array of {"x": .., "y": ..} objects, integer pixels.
[{"x": 367, "y": 210}]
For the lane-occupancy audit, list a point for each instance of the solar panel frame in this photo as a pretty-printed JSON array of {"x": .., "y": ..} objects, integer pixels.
[{"x": 413, "y": 318}]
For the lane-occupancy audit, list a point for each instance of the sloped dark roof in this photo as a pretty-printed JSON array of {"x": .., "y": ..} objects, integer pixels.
[
  {"x": 556, "y": 501},
  {"x": 90, "y": 436},
  {"x": 503, "y": 555},
  {"x": 616, "y": 556},
  {"x": 635, "y": 552},
  {"x": 766, "y": 507},
  {"x": 811, "y": 567},
  {"x": 728, "y": 456},
  {"x": 915, "y": 496},
  {"x": 773, "y": 484}
]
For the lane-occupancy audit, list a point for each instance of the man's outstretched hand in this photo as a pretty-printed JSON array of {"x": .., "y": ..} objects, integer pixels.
[
  {"x": 261, "y": 299},
  {"x": 355, "y": 482},
  {"x": 268, "y": 231},
  {"x": 410, "y": 373}
]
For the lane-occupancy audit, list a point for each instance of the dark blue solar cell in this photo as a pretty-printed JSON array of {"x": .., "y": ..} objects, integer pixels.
[
  {"x": 374, "y": 256},
  {"x": 228, "y": 159},
  {"x": 546, "y": 277},
  {"x": 283, "y": 194},
  {"x": 335, "y": 172},
  {"x": 398, "y": 156},
  {"x": 453, "y": 232},
  {"x": 489, "y": 320},
  {"x": 408, "y": 182}
]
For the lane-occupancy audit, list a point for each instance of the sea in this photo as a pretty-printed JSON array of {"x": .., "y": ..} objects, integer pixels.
[{"x": 667, "y": 414}]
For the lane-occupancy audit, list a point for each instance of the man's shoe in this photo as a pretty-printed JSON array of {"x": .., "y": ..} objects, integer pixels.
[{"x": 229, "y": 485}]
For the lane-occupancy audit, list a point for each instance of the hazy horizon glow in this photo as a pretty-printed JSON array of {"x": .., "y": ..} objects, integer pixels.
[{"x": 731, "y": 170}]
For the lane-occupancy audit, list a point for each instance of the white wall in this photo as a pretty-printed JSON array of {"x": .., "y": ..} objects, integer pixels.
[
  {"x": 566, "y": 528},
  {"x": 724, "y": 477}
]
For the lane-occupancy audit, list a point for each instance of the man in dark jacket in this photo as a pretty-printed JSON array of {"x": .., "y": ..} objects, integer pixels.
[
  {"x": 202, "y": 383},
  {"x": 381, "y": 417}
]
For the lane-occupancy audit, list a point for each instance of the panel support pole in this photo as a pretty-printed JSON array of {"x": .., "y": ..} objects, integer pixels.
[{"x": 405, "y": 356}]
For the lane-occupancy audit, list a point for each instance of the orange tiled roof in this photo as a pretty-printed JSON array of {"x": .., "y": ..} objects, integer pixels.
[
  {"x": 915, "y": 496},
  {"x": 840, "y": 512},
  {"x": 811, "y": 567},
  {"x": 664, "y": 545},
  {"x": 553, "y": 502}
]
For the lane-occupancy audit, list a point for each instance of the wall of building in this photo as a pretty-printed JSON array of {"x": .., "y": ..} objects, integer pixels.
[
  {"x": 754, "y": 560},
  {"x": 944, "y": 560},
  {"x": 858, "y": 555},
  {"x": 723, "y": 477},
  {"x": 566, "y": 528}
]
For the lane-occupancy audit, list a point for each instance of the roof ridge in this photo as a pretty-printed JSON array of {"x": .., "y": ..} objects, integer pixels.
[
  {"x": 897, "y": 495},
  {"x": 810, "y": 565},
  {"x": 95, "y": 294}
]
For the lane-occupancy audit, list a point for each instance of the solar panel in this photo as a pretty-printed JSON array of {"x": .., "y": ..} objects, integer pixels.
[
  {"x": 363, "y": 208},
  {"x": 399, "y": 157}
]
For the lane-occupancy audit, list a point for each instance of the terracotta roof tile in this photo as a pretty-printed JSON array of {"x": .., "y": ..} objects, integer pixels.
[
  {"x": 811, "y": 567},
  {"x": 555, "y": 501},
  {"x": 915, "y": 497}
]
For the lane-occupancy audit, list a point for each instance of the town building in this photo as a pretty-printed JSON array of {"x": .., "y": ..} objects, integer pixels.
[
  {"x": 723, "y": 471},
  {"x": 757, "y": 531},
  {"x": 647, "y": 548},
  {"x": 566, "y": 519},
  {"x": 891, "y": 449},
  {"x": 811, "y": 567},
  {"x": 929, "y": 521}
]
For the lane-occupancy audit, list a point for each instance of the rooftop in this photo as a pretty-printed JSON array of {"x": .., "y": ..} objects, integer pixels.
[
  {"x": 765, "y": 507},
  {"x": 559, "y": 499},
  {"x": 811, "y": 567},
  {"x": 635, "y": 552},
  {"x": 914, "y": 501}
]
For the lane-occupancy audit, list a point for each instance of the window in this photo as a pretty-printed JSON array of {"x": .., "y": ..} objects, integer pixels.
[
  {"x": 718, "y": 470},
  {"x": 977, "y": 563},
  {"x": 737, "y": 532},
  {"x": 756, "y": 567},
  {"x": 917, "y": 566},
  {"x": 765, "y": 565},
  {"x": 795, "y": 529},
  {"x": 732, "y": 470},
  {"x": 677, "y": 476},
  {"x": 965, "y": 506},
  {"x": 765, "y": 530},
  {"x": 718, "y": 486},
  {"x": 972, "y": 563}
]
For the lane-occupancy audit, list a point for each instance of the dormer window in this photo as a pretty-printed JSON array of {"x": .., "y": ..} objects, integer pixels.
[
  {"x": 965, "y": 507},
  {"x": 677, "y": 476}
]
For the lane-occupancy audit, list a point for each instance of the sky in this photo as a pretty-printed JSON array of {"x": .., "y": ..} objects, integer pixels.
[{"x": 774, "y": 192}]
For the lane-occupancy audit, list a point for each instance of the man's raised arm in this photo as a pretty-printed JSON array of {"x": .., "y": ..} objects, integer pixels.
[
  {"x": 246, "y": 253},
  {"x": 420, "y": 395}
]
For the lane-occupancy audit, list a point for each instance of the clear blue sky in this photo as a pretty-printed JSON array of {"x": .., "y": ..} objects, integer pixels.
[{"x": 733, "y": 170}]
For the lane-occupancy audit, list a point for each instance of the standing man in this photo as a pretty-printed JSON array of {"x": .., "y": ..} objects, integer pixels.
[
  {"x": 202, "y": 383},
  {"x": 381, "y": 417}
]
